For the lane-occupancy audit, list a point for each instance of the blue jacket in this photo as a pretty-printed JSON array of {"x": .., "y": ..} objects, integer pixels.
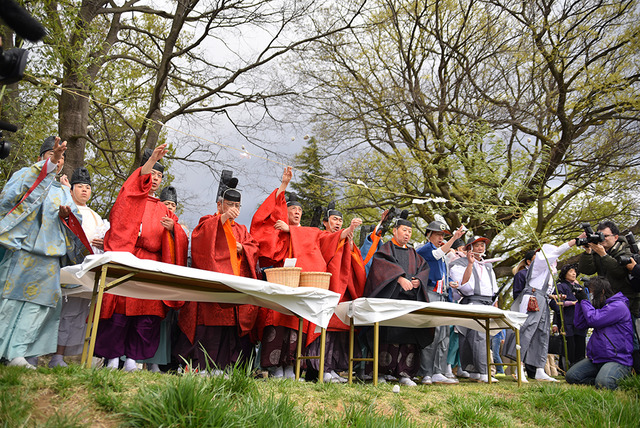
[
  {"x": 612, "y": 338},
  {"x": 437, "y": 267},
  {"x": 520, "y": 282}
]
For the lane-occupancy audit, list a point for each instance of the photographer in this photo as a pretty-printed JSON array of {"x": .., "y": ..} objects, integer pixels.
[
  {"x": 609, "y": 348},
  {"x": 603, "y": 250}
]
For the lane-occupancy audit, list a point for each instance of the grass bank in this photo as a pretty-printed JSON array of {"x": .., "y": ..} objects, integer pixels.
[{"x": 75, "y": 397}]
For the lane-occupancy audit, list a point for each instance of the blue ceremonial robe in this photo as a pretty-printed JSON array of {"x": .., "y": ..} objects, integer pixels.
[{"x": 35, "y": 242}]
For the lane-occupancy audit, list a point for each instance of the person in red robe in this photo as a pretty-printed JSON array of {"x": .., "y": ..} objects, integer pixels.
[
  {"x": 347, "y": 279},
  {"x": 276, "y": 227},
  {"x": 399, "y": 272},
  {"x": 142, "y": 225},
  {"x": 218, "y": 335}
]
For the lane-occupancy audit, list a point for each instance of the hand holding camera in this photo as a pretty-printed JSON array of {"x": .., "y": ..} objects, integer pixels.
[
  {"x": 589, "y": 236},
  {"x": 579, "y": 292}
]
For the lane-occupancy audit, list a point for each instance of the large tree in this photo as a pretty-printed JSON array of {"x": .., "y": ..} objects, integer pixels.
[
  {"x": 488, "y": 109},
  {"x": 127, "y": 68}
]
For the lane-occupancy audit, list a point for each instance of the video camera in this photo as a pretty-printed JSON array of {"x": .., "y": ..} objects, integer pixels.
[
  {"x": 591, "y": 238},
  {"x": 14, "y": 61}
]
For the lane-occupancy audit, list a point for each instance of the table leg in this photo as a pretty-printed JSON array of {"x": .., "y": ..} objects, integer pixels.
[
  {"x": 299, "y": 348},
  {"x": 376, "y": 344},
  {"x": 489, "y": 360},
  {"x": 518, "y": 357},
  {"x": 92, "y": 308},
  {"x": 96, "y": 316},
  {"x": 323, "y": 342},
  {"x": 351, "y": 345}
]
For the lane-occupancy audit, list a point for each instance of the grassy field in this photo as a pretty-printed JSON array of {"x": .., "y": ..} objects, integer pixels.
[{"x": 75, "y": 397}]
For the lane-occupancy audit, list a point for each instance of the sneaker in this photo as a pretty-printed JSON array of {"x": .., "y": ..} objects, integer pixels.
[
  {"x": 327, "y": 378},
  {"x": 289, "y": 373},
  {"x": 474, "y": 377},
  {"x": 278, "y": 373},
  {"x": 442, "y": 379},
  {"x": 153, "y": 368},
  {"x": 336, "y": 378},
  {"x": 485, "y": 378},
  {"x": 545, "y": 378},
  {"x": 464, "y": 374},
  {"x": 365, "y": 377},
  {"x": 21, "y": 362},
  {"x": 407, "y": 381},
  {"x": 33, "y": 361},
  {"x": 390, "y": 378},
  {"x": 381, "y": 379},
  {"x": 426, "y": 380}
]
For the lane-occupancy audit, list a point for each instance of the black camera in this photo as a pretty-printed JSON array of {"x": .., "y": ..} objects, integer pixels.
[
  {"x": 631, "y": 240},
  {"x": 625, "y": 260},
  {"x": 5, "y": 147},
  {"x": 591, "y": 238},
  {"x": 386, "y": 222}
]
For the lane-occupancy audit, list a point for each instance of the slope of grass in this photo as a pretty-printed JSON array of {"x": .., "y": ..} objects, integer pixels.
[{"x": 75, "y": 397}]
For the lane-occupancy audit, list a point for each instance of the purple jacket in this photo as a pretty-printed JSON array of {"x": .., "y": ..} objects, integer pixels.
[{"x": 612, "y": 338}]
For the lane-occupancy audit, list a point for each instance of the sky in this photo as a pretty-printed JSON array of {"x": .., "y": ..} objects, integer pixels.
[{"x": 257, "y": 177}]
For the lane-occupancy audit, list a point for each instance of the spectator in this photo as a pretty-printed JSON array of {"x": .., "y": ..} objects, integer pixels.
[
  {"x": 602, "y": 259},
  {"x": 576, "y": 338},
  {"x": 609, "y": 349}
]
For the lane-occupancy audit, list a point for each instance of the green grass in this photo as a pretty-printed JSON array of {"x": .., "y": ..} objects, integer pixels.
[{"x": 76, "y": 397}]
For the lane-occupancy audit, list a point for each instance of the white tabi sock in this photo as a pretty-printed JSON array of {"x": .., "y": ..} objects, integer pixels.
[
  {"x": 130, "y": 365},
  {"x": 113, "y": 363}
]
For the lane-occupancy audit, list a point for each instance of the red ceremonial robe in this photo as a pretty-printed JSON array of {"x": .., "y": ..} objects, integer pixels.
[
  {"x": 213, "y": 247},
  {"x": 310, "y": 246},
  {"x": 136, "y": 228},
  {"x": 347, "y": 279}
]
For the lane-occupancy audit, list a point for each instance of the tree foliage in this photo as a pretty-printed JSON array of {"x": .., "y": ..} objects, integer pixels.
[
  {"x": 495, "y": 108},
  {"x": 312, "y": 186},
  {"x": 117, "y": 72}
]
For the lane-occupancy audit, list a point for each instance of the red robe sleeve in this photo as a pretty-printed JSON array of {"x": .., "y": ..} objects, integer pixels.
[
  {"x": 126, "y": 213},
  {"x": 274, "y": 244}
]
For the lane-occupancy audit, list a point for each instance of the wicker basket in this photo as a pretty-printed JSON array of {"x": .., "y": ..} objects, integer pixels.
[
  {"x": 289, "y": 276},
  {"x": 315, "y": 279}
]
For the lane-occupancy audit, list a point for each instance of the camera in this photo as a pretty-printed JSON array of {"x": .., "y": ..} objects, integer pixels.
[
  {"x": 631, "y": 240},
  {"x": 625, "y": 260},
  {"x": 5, "y": 147},
  {"x": 391, "y": 215},
  {"x": 591, "y": 238}
]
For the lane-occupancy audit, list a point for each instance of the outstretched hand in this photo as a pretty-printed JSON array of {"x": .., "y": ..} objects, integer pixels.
[
  {"x": 58, "y": 150},
  {"x": 287, "y": 175},
  {"x": 158, "y": 153}
]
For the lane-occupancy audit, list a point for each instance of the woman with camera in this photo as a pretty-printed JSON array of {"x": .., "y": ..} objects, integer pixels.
[{"x": 609, "y": 349}]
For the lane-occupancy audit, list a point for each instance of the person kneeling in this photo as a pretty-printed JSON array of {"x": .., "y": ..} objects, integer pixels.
[{"x": 609, "y": 349}]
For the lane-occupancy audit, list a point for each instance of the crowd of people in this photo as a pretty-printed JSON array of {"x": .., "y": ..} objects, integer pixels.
[{"x": 46, "y": 224}]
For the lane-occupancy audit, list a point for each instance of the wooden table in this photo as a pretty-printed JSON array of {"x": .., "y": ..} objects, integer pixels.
[
  {"x": 125, "y": 275},
  {"x": 399, "y": 313}
]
